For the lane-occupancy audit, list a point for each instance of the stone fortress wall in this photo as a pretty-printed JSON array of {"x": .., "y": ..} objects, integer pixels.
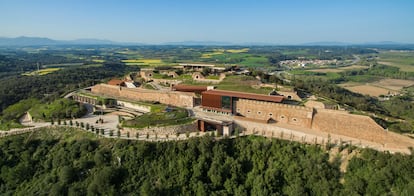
[
  {"x": 324, "y": 120},
  {"x": 180, "y": 99},
  {"x": 357, "y": 126},
  {"x": 260, "y": 110}
]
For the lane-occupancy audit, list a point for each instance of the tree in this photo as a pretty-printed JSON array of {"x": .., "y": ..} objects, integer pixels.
[
  {"x": 67, "y": 174},
  {"x": 206, "y": 71}
]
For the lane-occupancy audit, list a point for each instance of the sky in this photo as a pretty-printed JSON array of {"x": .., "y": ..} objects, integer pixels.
[{"x": 236, "y": 21}]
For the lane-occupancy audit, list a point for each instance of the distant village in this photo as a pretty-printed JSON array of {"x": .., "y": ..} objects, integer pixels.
[{"x": 304, "y": 63}]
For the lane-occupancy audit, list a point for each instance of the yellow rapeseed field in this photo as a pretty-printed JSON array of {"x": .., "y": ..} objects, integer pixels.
[
  {"x": 143, "y": 61},
  {"x": 237, "y": 51},
  {"x": 41, "y": 72}
]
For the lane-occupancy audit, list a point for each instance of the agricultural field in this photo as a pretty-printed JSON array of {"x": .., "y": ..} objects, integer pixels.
[
  {"x": 339, "y": 69},
  {"x": 255, "y": 61},
  {"x": 41, "y": 72},
  {"x": 211, "y": 54},
  {"x": 150, "y": 62},
  {"x": 98, "y": 60},
  {"x": 237, "y": 50},
  {"x": 217, "y": 52},
  {"x": 403, "y": 60},
  {"x": 61, "y": 65},
  {"x": 366, "y": 89},
  {"x": 394, "y": 84},
  {"x": 377, "y": 88}
]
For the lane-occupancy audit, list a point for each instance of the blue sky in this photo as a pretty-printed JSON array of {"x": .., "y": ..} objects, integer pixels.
[{"x": 157, "y": 21}]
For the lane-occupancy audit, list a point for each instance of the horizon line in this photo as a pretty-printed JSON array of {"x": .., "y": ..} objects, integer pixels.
[{"x": 209, "y": 42}]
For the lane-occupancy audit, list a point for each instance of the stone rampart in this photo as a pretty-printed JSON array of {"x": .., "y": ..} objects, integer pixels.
[
  {"x": 180, "y": 99},
  {"x": 290, "y": 114},
  {"x": 352, "y": 125}
]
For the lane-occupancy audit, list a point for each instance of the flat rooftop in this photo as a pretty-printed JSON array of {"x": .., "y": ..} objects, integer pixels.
[{"x": 259, "y": 97}]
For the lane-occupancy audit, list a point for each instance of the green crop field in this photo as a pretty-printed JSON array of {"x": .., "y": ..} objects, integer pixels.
[
  {"x": 255, "y": 61},
  {"x": 402, "y": 60}
]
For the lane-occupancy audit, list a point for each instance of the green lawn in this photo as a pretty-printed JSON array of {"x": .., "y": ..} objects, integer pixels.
[
  {"x": 242, "y": 84},
  {"x": 58, "y": 109},
  {"x": 160, "y": 118}
]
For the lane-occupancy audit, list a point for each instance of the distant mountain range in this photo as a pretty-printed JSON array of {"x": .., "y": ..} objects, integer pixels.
[
  {"x": 198, "y": 43},
  {"x": 383, "y": 43},
  {"x": 40, "y": 41}
]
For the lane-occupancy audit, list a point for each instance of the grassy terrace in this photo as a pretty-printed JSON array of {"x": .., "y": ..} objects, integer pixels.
[
  {"x": 242, "y": 84},
  {"x": 235, "y": 83},
  {"x": 165, "y": 117}
]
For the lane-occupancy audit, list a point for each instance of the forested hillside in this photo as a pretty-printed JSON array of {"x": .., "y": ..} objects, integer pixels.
[{"x": 69, "y": 162}]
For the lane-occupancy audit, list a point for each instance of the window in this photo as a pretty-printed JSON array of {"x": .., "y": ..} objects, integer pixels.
[
  {"x": 294, "y": 119},
  {"x": 270, "y": 114},
  {"x": 248, "y": 111},
  {"x": 259, "y": 112},
  {"x": 226, "y": 102},
  {"x": 282, "y": 117}
]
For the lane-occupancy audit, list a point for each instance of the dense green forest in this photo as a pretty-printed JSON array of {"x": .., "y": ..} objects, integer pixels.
[{"x": 64, "y": 161}]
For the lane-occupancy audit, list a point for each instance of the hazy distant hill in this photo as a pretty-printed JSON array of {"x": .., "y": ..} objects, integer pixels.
[
  {"x": 381, "y": 43},
  {"x": 40, "y": 41},
  {"x": 326, "y": 44},
  {"x": 23, "y": 41},
  {"x": 199, "y": 43}
]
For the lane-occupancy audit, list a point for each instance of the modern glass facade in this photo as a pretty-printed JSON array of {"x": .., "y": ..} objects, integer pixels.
[{"x": 226, "y": 102}]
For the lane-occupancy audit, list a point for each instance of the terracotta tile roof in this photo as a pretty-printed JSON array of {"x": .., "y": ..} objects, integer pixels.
[{"x": 259, "y": 97}]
